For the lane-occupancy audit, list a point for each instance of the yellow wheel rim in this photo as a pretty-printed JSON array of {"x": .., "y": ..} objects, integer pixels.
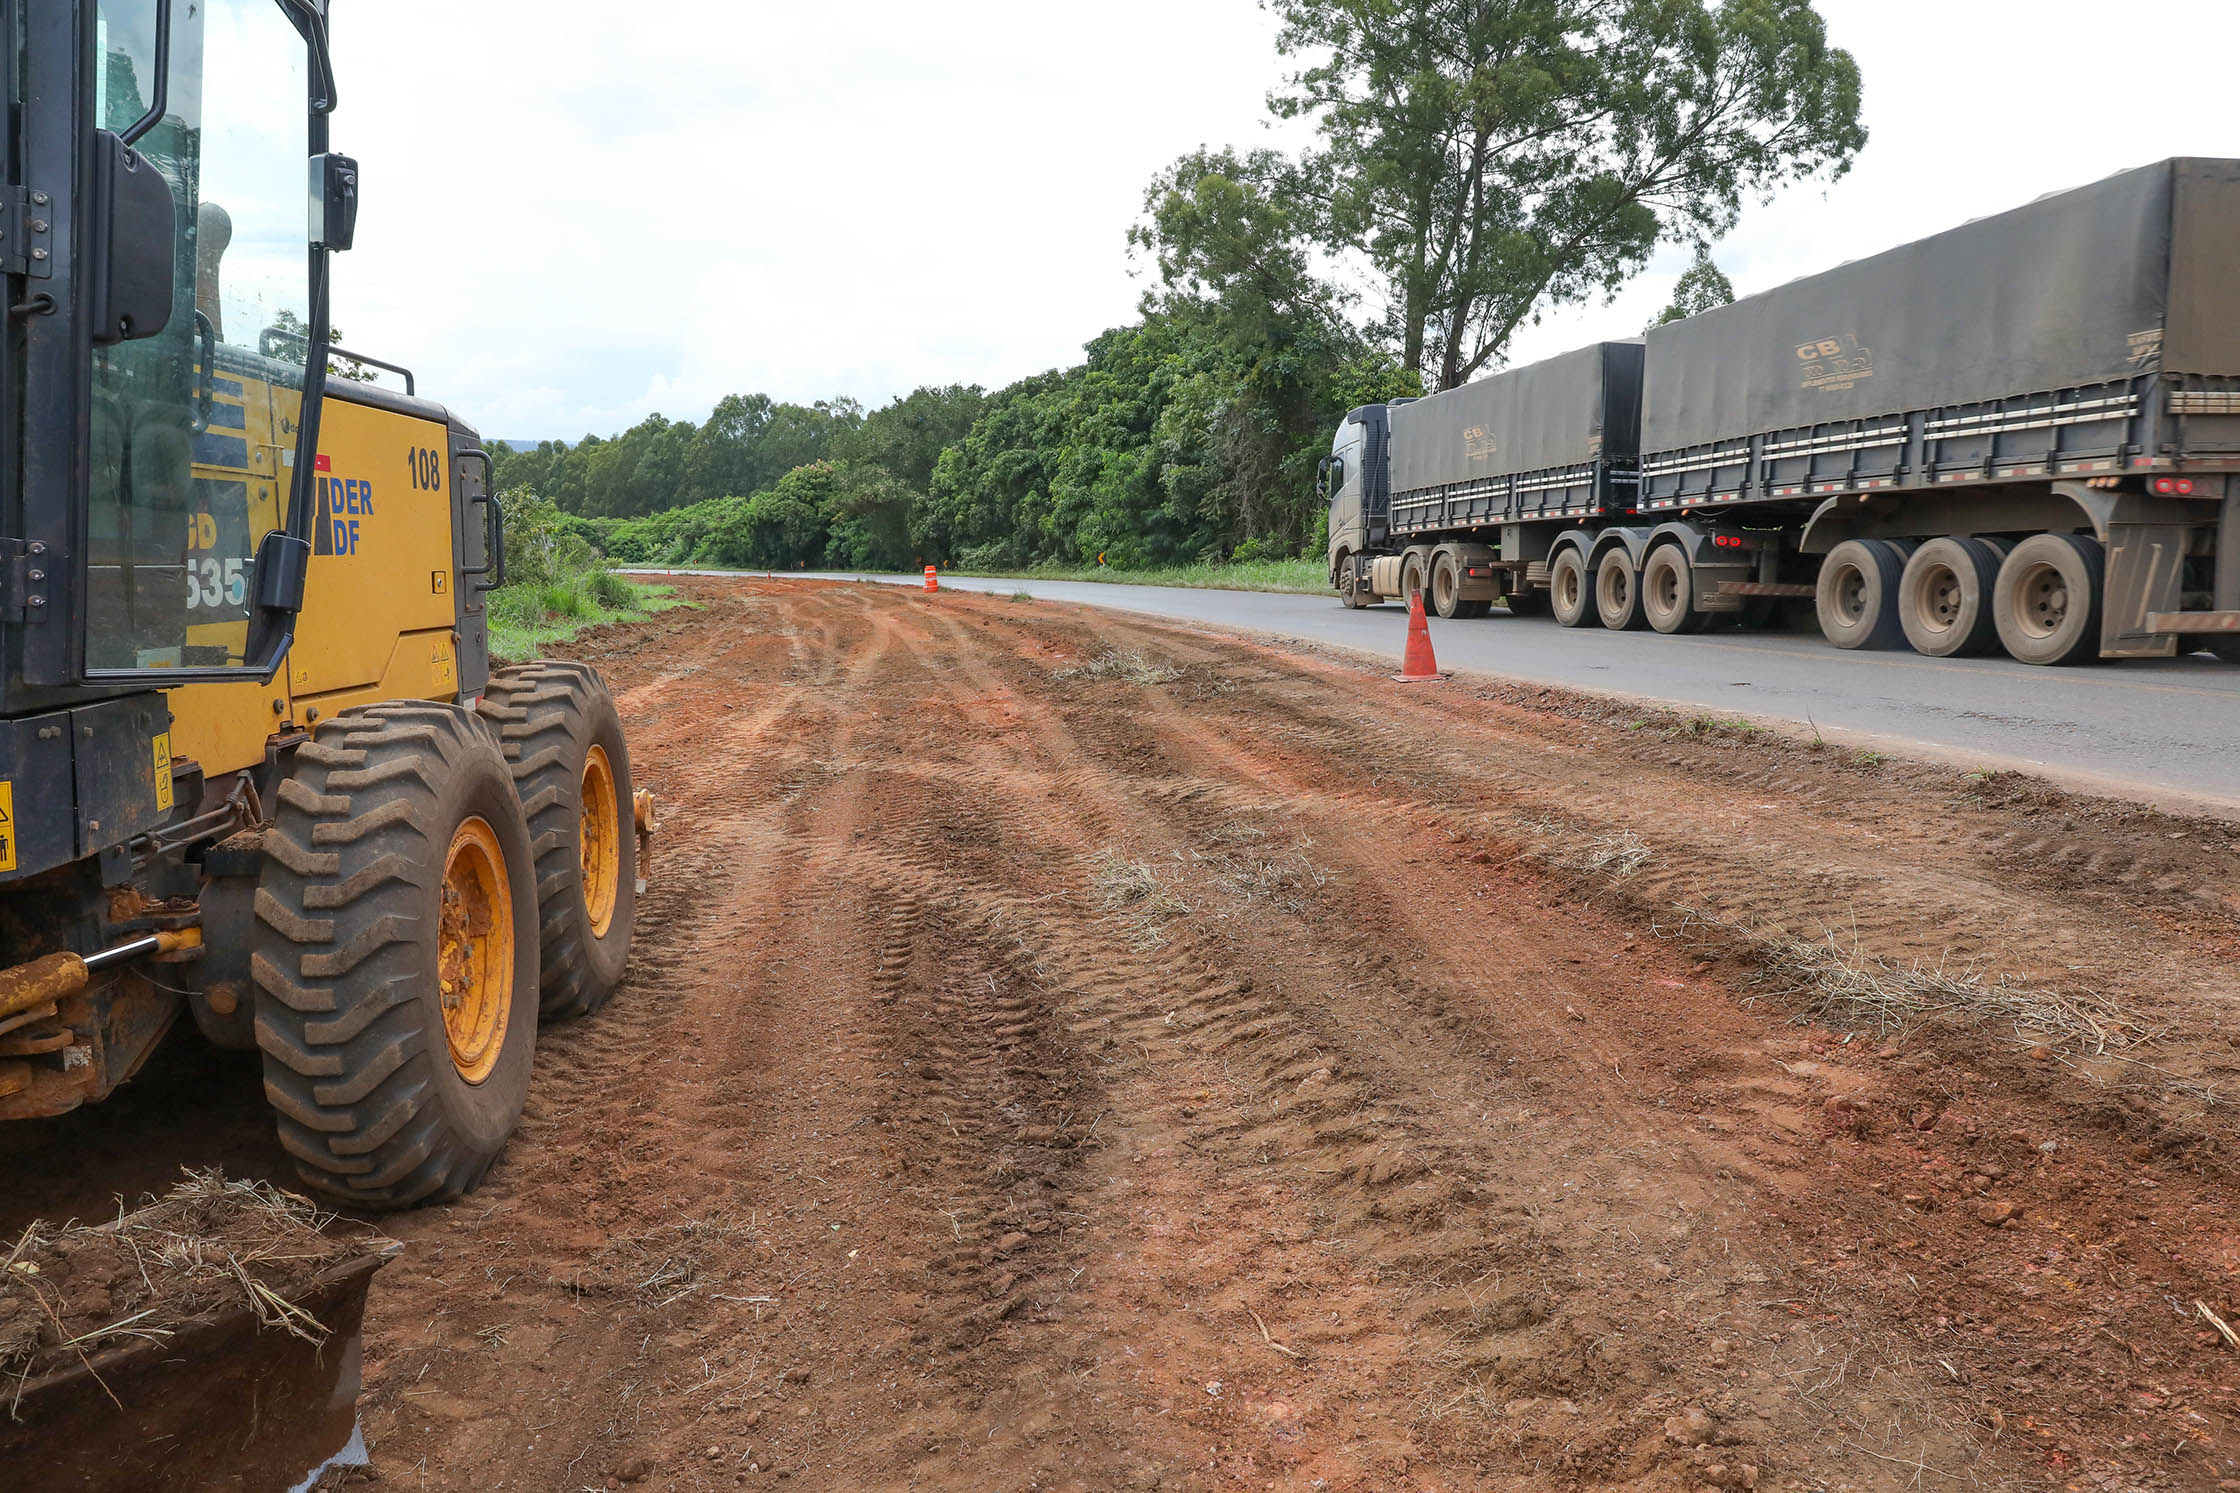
[
  {"x": 476, "y": 942},
  {"x": 599, "y": 840}
]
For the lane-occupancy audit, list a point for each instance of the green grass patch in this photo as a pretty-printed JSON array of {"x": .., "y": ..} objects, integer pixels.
[{"x": 526, "y": 619}]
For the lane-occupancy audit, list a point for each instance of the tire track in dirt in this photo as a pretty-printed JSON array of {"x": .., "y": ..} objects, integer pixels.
[
  {"x": 1236, "y": 1027},
  {"x": 1064, "y": 1082},
  {"x": 1892, "y": 887}
]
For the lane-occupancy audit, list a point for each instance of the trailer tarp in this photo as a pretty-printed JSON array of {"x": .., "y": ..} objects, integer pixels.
[
  {"x": 1556, "y": 413},
  {"x": 2079, "y": 288}
]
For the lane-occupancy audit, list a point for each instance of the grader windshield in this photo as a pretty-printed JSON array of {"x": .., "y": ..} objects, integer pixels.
[{"x": 195, "y": 429}]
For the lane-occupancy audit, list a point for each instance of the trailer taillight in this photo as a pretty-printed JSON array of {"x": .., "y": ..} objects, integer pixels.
[{"x": 2174, "y": 487}]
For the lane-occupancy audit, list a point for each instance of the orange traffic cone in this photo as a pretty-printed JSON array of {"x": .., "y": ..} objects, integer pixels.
[
  {"x": 931, "y": 584},
  {"x": 1417, "y": 666}
]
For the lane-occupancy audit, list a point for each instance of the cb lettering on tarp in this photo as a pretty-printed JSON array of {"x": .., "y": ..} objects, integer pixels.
[{"x": 345, "y": 509}]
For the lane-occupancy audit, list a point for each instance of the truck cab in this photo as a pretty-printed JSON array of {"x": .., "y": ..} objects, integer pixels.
[{"x": 1354, "y": 479}]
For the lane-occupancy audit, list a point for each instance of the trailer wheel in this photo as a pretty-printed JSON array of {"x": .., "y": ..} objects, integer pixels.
[
  {"x": 1570, "y": 593},
  {"x": 1526, "y": 602},
  {"x": 395, "y": 956},
  {"x": 1446, "y": 587},
  {"x": 2048, "y": 598},
  {"x": 1668, "y": 592},
  {"x": 1944, "y": 597},
  {"x": 1857, "y": 598},
  {"x": 1413, "y": 582},
  {"x": 571, "y": 768},
  {"x": 1617, "y": 591}
]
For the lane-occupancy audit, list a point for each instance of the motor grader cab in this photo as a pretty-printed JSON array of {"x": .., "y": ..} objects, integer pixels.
[{"x": 257, "y": 774}]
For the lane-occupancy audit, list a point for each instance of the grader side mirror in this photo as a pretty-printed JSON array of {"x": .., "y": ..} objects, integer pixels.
[
  {"x": 334, "y": 201},
  {"x": 135, "y": 226}
]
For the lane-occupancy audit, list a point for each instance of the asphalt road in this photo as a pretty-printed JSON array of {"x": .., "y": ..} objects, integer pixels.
[{"x": 2167, "y": 730}]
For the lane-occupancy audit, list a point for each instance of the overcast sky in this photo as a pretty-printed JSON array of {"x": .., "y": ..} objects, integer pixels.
[{"x": 577, "y": 213}]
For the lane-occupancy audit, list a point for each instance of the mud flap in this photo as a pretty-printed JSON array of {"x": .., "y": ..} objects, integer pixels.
[
  {"x": 641, "y": 812},
  {"x": 223, "y": 1403}
]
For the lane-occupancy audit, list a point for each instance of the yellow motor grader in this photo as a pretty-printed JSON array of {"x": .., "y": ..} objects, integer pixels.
[{"x": 256, "y": 768}]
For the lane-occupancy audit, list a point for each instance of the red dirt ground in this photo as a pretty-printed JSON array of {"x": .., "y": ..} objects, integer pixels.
[{"x": 1066, "y": 1052}]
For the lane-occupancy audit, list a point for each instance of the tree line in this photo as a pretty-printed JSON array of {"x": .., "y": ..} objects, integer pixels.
[{"x": 1476, "y": 164}]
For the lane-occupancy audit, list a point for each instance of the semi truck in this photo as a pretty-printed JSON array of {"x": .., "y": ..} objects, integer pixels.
[{"x": 2021, "y": 434}]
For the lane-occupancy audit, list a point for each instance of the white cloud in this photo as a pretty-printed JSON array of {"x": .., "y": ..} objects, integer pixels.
[
  {"x": 571, "y": 220},
  {"x": 578, "y": 212}
]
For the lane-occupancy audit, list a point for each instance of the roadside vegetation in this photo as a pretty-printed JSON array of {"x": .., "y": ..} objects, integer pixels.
[
  {"x": 1308, "y": 575},
  {"x": 1471, "y": 171},
  {"x": 557, "y": 584}
]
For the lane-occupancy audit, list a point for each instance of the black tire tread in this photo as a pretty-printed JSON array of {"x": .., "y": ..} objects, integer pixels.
[
  {"x": 348, "y": 1080},
  {"x": 534, "y": 709}
]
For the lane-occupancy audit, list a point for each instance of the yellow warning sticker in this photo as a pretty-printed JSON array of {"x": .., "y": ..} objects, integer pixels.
[
  {"x": 163, "y": 774},
  {"x": 7, "y": 825}
]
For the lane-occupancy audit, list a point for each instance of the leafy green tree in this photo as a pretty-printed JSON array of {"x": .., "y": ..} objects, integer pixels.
[
  {"x": 869, "y": 513},
  {"x": 285, "y": 320},
  {"x": 1490, "y": 159},
  {"x": 1700, "y": 287},
  {"x": 907, "y": 436}
]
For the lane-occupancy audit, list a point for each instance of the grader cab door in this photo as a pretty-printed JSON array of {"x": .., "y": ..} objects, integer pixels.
[{"x": 380, "y": 605}]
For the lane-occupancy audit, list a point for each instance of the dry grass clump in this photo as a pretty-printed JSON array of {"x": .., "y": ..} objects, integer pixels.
[
  {"x": 1127, "y": 665},
  {"x": 1123, "y": 885},
  {"x": 210, "y": 1245},
  {"x": 1618, "y": 852},
  {"x": 1843, "y": 986},
  {"x": 1846, "y": 987},
  {"x": 665, "y": 1265},
  {"x": 1277, "y": 878}
]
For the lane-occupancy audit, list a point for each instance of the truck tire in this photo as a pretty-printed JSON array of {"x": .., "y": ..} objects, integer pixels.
[
  {"x": 395, "y": 970},
  {"x": 1857, "y": 595},
  {"x": 1570, "y": 593},
  {"x": 1526, "y": 602},
  {"x": 1668, "y": 591},
  {"x": 571, "y": 768},
  {"x": 1617, "y": 591},
  {"x": 1350, "y": 593},
  {"x": 2048, "y": 598},
  {"x": 1944, "y": 598},
  {"x": 1446, "y": 587},
  {"x": 1413, "y": 581}
]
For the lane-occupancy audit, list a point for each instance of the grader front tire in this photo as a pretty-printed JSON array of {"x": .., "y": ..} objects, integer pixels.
[
  {"x": 571, "y": 768},
  {"x": 395, "y": 958}
]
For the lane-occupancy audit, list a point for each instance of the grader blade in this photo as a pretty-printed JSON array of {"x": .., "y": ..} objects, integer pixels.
[{"x": 230, "y": 1401}]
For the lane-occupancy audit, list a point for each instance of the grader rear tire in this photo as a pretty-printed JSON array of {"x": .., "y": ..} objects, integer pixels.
[
  {"x": 395, "y": 969},
  {"x": 571, "y": 767}
]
